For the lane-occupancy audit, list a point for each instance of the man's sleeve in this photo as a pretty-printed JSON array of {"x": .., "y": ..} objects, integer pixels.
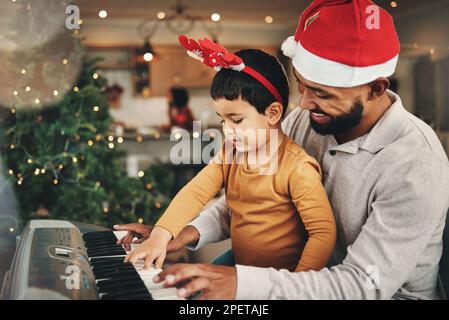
[
  {"x": 213, "y": 224},
  {"x": 410, "y": 206}
]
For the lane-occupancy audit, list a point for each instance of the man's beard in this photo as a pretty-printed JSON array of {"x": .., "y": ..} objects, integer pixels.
[{"x": 341, "y": 123}]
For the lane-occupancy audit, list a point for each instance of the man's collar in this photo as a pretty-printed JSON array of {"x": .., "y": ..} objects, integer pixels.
[{"x": 384, "y": 132}]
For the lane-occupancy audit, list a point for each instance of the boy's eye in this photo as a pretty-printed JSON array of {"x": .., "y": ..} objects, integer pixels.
[
  {"x": 221, "y": 121},
  {"x": 237, "y": 121}
]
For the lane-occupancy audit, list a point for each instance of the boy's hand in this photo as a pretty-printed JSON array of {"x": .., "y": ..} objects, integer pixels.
[
  {"x": 153, "y": 250},
  {"x": 135, "y": 230}
]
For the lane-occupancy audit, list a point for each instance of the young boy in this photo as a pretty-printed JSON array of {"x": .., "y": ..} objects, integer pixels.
[{"x": 280, "y": 218}]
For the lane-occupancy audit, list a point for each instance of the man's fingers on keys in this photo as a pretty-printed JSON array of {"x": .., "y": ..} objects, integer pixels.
[
  {"x": 178, "y": 272},
  {"x": 126, "y": 239},
  {"x": 127, "y": 246},
  {"x": 193, "y": 286}
]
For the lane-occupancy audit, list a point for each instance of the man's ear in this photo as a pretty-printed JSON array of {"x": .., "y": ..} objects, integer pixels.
[
  {"x": 274, "y": 113},
  {"x": 378, "y": 88}
]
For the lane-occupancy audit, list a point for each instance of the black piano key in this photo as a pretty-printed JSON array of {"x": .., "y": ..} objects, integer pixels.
[
  {"x": 115, "y": 274},
  {"x": 115, "y": 285},
  {"x": 97, "y": 234},
  {"x": 123, "y": 277},
  {"x": 123, "y": 294},
  {"x": 105, "y": 252},
  {"x": 106, "y": 265},
  {"x": 101, "y": 260}
]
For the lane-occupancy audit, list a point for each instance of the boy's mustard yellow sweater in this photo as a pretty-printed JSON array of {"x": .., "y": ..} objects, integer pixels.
[{"x": 283, "y": 220}]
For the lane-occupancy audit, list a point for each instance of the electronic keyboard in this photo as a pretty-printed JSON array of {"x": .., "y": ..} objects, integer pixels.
[{"x": 58, "y": 259}]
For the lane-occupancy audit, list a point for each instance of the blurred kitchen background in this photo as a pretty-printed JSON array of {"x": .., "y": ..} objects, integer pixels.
[{"x": 142, "y": 61}]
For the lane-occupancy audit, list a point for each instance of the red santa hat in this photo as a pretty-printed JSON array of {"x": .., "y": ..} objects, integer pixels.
[{"x": 343, "y": 43}]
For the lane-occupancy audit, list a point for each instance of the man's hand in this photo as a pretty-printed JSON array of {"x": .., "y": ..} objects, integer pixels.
[
  {"x": 135, "y": 230},
  {"x": 215, "y": 282}
]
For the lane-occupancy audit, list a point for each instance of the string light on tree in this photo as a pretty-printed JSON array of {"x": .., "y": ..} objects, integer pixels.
[
  {"x": 141, "y": 174},
  {"x": 96, "y": 108},
  {"x": 161, "y": 15},
  {"x": 55, "y": 92},
  {"x": 76, "y": 89},
  {"x": 95, "y": 76},
  {"x": 23, "y": 71},
  {"x": 90, "y": 142},
  {"x": 393, "y": 4}
]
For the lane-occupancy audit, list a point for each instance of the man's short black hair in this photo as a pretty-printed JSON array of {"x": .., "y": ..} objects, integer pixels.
[
  {"x": 231, "y": 85},
  {"x": 180, "y": 96}
]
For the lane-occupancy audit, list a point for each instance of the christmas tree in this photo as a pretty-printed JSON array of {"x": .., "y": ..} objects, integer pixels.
[{"x": 58, "y": 154}]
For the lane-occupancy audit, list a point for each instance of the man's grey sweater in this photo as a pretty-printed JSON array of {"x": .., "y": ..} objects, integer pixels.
[{"x": 389, "y": 190}]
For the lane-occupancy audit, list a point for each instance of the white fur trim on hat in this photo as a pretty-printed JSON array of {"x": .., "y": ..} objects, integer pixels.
[{"x": 335, "y": 74}]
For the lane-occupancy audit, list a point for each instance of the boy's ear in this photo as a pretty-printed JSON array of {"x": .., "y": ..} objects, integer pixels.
[{"x": 274, "y": 113}]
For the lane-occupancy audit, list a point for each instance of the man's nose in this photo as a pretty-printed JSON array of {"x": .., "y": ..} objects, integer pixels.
[{"x": 306, "y": 102}]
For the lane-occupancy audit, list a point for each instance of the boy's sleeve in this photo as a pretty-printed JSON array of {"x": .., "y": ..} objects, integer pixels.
[
  {"x": 189, "y": 201},
  {"x": 308, "y": 195}
]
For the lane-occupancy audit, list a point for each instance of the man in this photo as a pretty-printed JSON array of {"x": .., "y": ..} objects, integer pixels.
[{"x": 385, "y": 172}]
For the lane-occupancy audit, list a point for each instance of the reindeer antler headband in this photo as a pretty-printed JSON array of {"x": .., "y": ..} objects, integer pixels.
[{"x": 217, "y": 57}]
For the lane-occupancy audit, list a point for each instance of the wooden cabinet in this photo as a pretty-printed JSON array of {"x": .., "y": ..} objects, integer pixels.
[{"x": 173, "y": 67}]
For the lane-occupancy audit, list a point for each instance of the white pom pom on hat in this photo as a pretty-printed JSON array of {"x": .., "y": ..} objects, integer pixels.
[{"x": 289, "y": 47}]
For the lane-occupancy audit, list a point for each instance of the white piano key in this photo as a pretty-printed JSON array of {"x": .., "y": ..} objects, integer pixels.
[
  {"x": 158, "y": 292},
  {"x": 166, "y": 294}
]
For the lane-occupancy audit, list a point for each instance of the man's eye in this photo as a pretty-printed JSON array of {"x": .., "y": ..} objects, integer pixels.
[
  {"x": 321, "y": 95},
  {"x": 221, "y": 121},
  {"x": 237, "y": 121}
]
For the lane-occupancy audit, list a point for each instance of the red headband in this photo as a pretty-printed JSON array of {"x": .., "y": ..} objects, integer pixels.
[{"x": 217, "y": 57}]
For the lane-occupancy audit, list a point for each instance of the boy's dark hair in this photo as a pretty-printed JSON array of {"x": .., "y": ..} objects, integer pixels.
[
  {"x": 231, "y": 85},
  {"x": 180, "y": 96}
]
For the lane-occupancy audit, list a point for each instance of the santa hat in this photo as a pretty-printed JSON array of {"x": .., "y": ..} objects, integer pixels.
[{"x": 343, "y": 43}]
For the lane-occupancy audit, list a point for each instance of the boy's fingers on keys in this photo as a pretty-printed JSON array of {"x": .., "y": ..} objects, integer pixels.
[
  {"x": 137, "y": 255},
  {"x": 160, "y": 261},
  {"x": 148, "y": 262}
]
